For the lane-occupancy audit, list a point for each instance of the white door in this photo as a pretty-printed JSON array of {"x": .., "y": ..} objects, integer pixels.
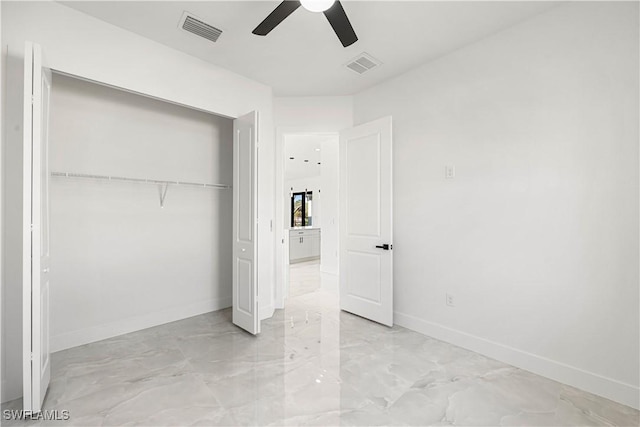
[
  {"x": 366, "y": 227},
  {"x": 245, "y": 223},
  {"x": 35, "y": 282}
]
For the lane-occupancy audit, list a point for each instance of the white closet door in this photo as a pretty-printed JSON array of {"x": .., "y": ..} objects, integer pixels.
[
  {"x": 245, "y": 223},
  {"x": 35, "y": 258},
  {"x": 366, "y": 221}
]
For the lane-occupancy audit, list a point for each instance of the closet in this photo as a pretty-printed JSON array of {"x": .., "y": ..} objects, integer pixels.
[{"x": 140, "y": 212}]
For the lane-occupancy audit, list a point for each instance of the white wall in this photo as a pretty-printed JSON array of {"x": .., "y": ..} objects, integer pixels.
[
  {"x": 313, "y": 113},
  {"x": 318, "y": 115},
  {"x": 81, "y": 45},
  {"x": 11, "y": 232},
  {"x": 537, "y": 235},
  {"x": 120, "y": 262}
]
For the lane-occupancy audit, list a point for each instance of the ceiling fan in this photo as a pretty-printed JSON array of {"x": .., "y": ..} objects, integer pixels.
[{"x": 332, "y": 9}]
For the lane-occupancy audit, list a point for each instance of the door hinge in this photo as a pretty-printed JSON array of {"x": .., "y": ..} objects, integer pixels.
[
  {"x": 31, "y": 356},
  {"x": 31, "y": 227},
  {"x": 33, "y": 99}
]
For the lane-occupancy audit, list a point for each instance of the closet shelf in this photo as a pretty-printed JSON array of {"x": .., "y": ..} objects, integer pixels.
[
  {"x": 138, "y": 180},
  {"x": 164, "y": 185}
]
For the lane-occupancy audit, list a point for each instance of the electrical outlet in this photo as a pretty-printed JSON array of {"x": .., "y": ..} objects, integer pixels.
[
  {"x": 450, "y": 300},
  {"x": 449, "y": 171}
]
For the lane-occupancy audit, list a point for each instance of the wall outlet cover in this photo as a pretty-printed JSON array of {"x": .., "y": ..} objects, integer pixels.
[
  {"x": 450, "y": 300},
  {"x": 449, "y": 171}
]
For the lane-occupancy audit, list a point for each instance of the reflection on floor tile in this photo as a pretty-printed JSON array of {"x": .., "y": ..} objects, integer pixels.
[
  {"x": 304, "y": 277},
  {"x": 312, "y": 365}
]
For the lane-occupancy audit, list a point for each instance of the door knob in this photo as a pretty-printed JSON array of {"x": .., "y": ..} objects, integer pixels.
[
  {"x": 243, "y": 250},
  {"x": 385, "y": 247},
  {"x": 46, "y": 270}
]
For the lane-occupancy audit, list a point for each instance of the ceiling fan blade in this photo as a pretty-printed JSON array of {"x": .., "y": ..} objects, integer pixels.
[
  {"x": 337, "y": 17},
  {"x": 284, "y": 9}
]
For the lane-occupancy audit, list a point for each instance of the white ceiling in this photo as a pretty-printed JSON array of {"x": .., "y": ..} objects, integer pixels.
[
  {"x": 302, "y": 147},
  {"x": 302, "y": 56}
]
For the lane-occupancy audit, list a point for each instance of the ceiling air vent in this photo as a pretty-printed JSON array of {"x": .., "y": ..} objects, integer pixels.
[
  {"x": 362, "y": 63},
  {"x": 196, "y": 26}
]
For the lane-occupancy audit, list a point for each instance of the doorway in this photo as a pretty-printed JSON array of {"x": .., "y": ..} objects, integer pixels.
[
  {"x": 309, "y": 208},
  {"x": 352, "y": 211}
]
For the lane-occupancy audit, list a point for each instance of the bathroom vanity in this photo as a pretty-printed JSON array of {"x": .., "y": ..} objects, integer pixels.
[{"x": 304, "y": 244}]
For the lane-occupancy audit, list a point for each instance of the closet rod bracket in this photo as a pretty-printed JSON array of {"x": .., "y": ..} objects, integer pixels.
[{"x": 163, "y": 193}]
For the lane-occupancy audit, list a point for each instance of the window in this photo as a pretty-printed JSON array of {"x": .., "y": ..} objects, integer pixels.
[{"x": 302, "y": 209}]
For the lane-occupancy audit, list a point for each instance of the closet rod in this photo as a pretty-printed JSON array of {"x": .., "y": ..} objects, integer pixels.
[{"x": 138, "y": 180}]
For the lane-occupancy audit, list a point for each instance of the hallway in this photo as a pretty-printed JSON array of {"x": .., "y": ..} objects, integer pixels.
[{"x": 304, "y": 277}]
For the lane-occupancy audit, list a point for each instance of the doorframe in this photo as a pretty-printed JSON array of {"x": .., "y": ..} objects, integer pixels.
[
  {"x": 3, "y": 95},
  {"x": 146, "y": 95},
  {"x": 280, "y": 290}
]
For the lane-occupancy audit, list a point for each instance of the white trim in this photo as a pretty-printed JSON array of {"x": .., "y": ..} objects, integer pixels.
[
  {"x": 609, "y": 388},
  {"x": 27, "y": 224},
  {"x": 3, "y": 62},
  {"x": 266, "y": 312},
  {"x": 133, "y": 324},
  {"x": 135, "y": 92}
]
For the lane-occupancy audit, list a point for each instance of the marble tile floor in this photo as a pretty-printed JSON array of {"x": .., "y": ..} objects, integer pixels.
[
  {"x": 311, "y": 365},
  {"x": 304, "y": 277}
]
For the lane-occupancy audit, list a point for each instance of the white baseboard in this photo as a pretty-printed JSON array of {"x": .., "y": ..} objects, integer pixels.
[
  {"x": 609, "y": 388},
  {"x": 266, "y": 312},
  {"x": 10, "y": 393},
  {"x": 299, "y": 260},
  {"x": 328, "y": 271},
  {"x": 120, "y": 327}
]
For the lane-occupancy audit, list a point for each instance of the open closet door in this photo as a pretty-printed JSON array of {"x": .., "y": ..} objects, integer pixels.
[
  {"x": 366, "y": 221},
  {"x": 245, "y": 223},
  {"x": 35, "y": 257}
]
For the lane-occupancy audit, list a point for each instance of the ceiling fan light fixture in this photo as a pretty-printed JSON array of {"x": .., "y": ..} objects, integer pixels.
[
  {"x": 317, "y": 5},
  {"x": 332, "y": 10}
]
